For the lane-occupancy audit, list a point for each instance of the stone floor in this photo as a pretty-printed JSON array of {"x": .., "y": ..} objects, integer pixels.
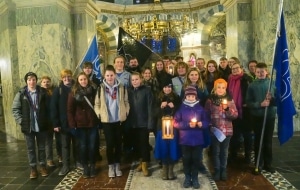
[{"x": 14, "y": 173}]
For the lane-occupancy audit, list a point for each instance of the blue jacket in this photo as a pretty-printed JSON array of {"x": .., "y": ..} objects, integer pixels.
[{"x": 187, "y": 135}]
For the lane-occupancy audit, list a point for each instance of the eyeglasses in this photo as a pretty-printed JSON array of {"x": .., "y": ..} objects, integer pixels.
[{"x": 235, "y": 68}]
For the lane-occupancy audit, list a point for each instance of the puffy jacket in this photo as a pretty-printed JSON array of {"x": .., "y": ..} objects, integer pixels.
[
  {"x": 22, "y": 111},
  {"x": 187, "y": 135},
  {"x": 140, "y": 101}
]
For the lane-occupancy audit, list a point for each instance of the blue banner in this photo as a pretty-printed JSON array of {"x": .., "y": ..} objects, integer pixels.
[
  {"x": 285, "y": 105},
  {"x": 92, "y": 55}
]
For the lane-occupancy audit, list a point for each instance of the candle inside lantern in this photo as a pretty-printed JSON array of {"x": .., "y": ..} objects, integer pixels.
[
  {"x": 224, "y": 102},
  {"x": 168, "y": 127},
  {"x": 194, "y": 120},
  {"x": 170, "y": 71}
]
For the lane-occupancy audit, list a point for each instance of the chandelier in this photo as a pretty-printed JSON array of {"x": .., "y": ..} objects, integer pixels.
[{"x": 155, "y": 26}]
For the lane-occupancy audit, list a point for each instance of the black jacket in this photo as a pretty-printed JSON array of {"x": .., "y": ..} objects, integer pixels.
[
  {"x": 141, "y": 107},
  {"x": 58, "y": 107},
  {"x": 23, "y": 111}
]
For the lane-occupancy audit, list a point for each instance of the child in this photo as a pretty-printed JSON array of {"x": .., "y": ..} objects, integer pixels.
[
  {"x": 81, "y": 116},
  {"x": 257, "y": 99},
  {"x": 140, "y": 119},
  {"x": 167, "y": 150},
  {"x": 112, "y": 108},
  {"x": 222, "y": 111},
  {"x": 191, "y": 119}
]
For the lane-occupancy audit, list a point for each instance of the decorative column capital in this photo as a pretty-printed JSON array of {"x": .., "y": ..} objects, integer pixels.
[
  {"x": 86, "y": 6},
  {"x": 229, "y": 3}
]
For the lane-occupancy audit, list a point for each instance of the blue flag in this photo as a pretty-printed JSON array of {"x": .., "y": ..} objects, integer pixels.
[
  {"x": 92, "y": 55},
  {"x": 285, "y": 105}
]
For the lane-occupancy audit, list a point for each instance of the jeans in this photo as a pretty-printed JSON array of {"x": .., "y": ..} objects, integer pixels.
[
  {"x": 37, "y": 138},
  {"x": 49, "y": 145},
  {"x": 220, "y": 152},
  {"x": 58, "y": 144},
  {"x": 190, "y": 159},
  {"x": 87, "y": 140},
  {"x": 113, "y": 138},
  {"x": 66, "y": 140}
]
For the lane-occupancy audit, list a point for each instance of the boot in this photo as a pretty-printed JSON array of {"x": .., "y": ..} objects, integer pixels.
[
  {"x": 43, "y": 171},
  {"x": 145, "y": 169},
  {"x": 139, "y": 167},
  {"x": 111, "y": 170},
  {"x": 164, "y": 173},
  {"x": 85, "y": 171},
  {"x": 64, "y": 170},
  {"x": 171, "y": 172},
  {"x": 33, "y": 172},
  {"x": 187, "y": 181},
  {"x": 118, "y": 170},
  {"x": 195, "y": 182},
  {"x": 92, "y": 170},
  {"x": 223, "y": 174},
  {"x": 216, "y": 175}
]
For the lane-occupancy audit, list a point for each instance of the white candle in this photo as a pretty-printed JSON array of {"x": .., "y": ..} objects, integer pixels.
[
  {"x": 224, "y": 102},
  {"x": 168, "y": 127}
]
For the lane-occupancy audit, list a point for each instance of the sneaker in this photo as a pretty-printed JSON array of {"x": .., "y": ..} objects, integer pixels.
[
  {"x": 118, "y": 170},
  {"x": 50, "y": 163},
  {"x": 43, "y": 171},
  {"x": 64, "y": 170},
  {"x": 79, "y": 166},
  {"x": 111, "y": 170},
  {"x": 33, "y": 173}
]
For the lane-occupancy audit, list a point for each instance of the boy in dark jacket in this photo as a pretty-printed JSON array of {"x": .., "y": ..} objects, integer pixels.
[
  {"x": 191, "y": 119},
  {"x": 257, "y": 99},
  {"x": 140, "y": 118},
  {"x": 30, "y": 111}
]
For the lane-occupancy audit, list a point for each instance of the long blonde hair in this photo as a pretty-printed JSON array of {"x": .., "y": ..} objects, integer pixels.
[{"x": 200, "y": 83}]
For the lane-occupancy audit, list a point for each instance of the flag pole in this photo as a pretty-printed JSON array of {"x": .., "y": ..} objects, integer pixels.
[
  {"x": 82, "y": 57},
  {"x": 269, "y": 88}
]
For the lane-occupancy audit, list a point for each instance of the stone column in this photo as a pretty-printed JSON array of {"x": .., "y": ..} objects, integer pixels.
[
  {"x": 84, "y": 16},
  {"x": 239, "y": 29}
]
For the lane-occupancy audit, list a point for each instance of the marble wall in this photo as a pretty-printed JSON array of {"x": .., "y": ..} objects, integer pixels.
[
  {"x": 43, "y": 38},
  {"x": 265, "y": 14}
]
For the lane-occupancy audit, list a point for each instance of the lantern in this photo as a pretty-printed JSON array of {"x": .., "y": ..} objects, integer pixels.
[
  {"x": 171, "y": 69},
  {"x": 167, "y": 127}
]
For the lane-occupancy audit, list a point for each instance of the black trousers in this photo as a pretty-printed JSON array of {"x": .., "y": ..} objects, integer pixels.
[
  {"x": 113, "y": 139},
  {"x": 266, "y": 151},
  {"x": 141, "y": 143},
  {"x": 190, "y": 159}
]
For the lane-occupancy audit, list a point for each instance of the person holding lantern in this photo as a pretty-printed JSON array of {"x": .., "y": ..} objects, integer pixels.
[
  {"x": 191, "y": 119},
  {"x": 166, "y": 142},
  {"x": 222, "y": 111}
]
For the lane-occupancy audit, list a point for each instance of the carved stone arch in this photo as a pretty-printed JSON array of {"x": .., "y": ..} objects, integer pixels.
[{"x": 106, "y": 27}]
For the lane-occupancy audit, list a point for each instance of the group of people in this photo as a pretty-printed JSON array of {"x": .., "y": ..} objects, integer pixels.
[{"x": 209, "y": 104}]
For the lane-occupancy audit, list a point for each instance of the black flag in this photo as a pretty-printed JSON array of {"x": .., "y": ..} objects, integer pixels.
[{"x": 129, "y": 47}]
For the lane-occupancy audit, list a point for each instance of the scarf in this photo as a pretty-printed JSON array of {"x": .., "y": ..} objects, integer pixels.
[
  {"x": 217, "y": 100},
  {"x": 190, "y": 104},
  {"x": 83, "y": 91},
  {"x": 234, "y": 87}
]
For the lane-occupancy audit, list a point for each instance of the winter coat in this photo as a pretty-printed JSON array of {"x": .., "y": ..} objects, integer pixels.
[
  {"x": 23, "y": 113},
  {"x": 256, "y": 94},
  {"x": 80, "y": 113},
  {"x": 141, "y": 107},
  {"x": 101, "y": 108},
  {"x": 187, "y": 135},
  {"x": 58, "y": 107}
]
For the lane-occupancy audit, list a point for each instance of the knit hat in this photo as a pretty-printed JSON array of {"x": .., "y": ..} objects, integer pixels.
[
  {"x": 32, "y": 74},
  {"x": 220, "y": 80},
  {"x": 190, "y": 90},
  {"x": 167, "y": 82}
]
